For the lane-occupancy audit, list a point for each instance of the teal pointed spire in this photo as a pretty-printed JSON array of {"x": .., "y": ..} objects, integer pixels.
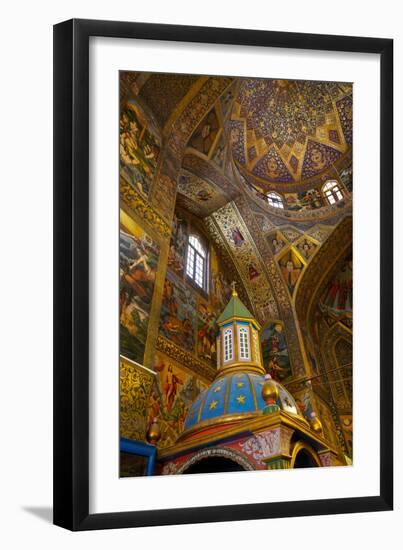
[{"x": 234, "y": 308}]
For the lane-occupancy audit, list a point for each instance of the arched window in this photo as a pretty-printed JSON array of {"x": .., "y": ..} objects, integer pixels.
[
  {"x": 332, "y": 191},
  {"x": 196, "y": 264},
  {"x": 244, "y": 352},
  {"x": 228, "y": 345},
  {"x": 274, "y": 199}
]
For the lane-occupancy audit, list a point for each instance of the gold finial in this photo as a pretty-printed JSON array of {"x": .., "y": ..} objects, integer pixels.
[
  {"x": 154, "y": 432},
  {"x": 234, "y": 292},
  {"x": 269, "y": 390}
]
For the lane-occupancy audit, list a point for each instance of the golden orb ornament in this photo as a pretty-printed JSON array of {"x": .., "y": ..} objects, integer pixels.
[
  {"x": 154, "y": 432},
  {"x": 269, "y": 390},
  {"x": 316, "y": 424}
]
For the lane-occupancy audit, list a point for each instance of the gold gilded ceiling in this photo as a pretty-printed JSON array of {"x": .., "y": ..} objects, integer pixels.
[
  {"x": 235, "y": 136},
  {"x": 289, "y": 131}
]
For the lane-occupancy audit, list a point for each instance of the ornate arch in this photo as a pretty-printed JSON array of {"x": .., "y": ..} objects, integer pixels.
[
  {"x": 222, "y": 452},
  {"x": 341, "y": 390},
  {"x": 303, "y": 446},
  {"x": 320, "y": 270}
]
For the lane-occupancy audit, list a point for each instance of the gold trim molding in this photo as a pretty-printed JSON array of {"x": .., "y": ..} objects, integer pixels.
[
  {"x": 142, "y": 207},
  {"x": 188, "y": 360}
]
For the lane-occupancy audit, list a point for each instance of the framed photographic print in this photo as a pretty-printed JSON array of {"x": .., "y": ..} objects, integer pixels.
[{"x": 220, "y": 196}]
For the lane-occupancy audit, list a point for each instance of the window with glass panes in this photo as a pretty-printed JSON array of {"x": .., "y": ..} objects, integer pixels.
[
  {"x": 274, "y": 199},
  {"x": 332, "y": 192},
  {"x": 244, "y": 352},
  {"x": 196, "y": 264},
  {"x": 228, "y": 345}
]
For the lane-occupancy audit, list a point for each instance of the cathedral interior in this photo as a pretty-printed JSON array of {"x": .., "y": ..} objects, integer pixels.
[{"x": 235, "y": 274}]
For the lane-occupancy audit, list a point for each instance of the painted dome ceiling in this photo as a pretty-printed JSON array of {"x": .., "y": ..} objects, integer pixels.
[
  {"x": 234, "y": 396},
  {"x": 288, "y": 131}
]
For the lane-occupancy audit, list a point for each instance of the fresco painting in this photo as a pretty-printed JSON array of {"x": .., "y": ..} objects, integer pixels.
[
  {"x": 219, "y": 287},
  {"x": 276, "y": 242},
  {"x": 172, "y": 394},
  {"x": 177, "y": 247},
  {"x": 338, "y": 300},
  {"x": 274, "y": 350},
  {"x": 291, "y": 268},
  {"x": 139, "y": 148},
  {"x": 205, "y": 134},
  {"x": 306, "y": 248},
  {"x": 206, "y": 332},
  {"x": 178, "y": 312},
  {"x": 138, "y": 259}
]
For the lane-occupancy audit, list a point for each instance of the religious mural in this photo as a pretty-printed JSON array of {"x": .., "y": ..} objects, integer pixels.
[
  {"x": 139, "y": 148},
  {"x": 338, "y": 300},
  {"x": 172, "y": 394},
  {"x": 205, "y": 134},
  {"x": 306, "y": 248},
  {"x": 206, "y": 332},
  {"x": 307, "y": 200},
  {"x": 276, "y": 242},
  {"x": 178, "y": 312},
  {"x": 274, "y": 350},
  {"x": 291, "y": 268},
  {"x": 220, "y": 286},
  {"x": 138, "y": 259},
  {"x": 177, "y": 248},
  {"x": 213, "y": 336}
]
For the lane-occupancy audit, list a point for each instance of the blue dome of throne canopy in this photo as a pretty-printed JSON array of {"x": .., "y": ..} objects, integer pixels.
[{"x": 233, "y": 396}]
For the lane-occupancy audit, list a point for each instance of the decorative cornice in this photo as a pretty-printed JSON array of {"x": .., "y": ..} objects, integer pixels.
[
  {"x": 188, "y": 360},
  {"x": 139, "y": 205}
]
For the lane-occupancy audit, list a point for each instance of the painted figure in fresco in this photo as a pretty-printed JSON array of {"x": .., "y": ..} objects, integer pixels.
[
  {"x": 310, "y": 200},
  {"x": 253, "y": 272},
  {"x": 177, "y": 250},
  {"x": 139, "y": 148},
  {"x": 220, "y": 289},
  {"x": 170, "y": 387},
  {"x": 305, "y": 405},
  {"x": 306, "y": 248},
  {"x": 339, "y": 296},
  {"x": 178, "y": 313},
  {"x": 206, "y": 334},
  {"x": 237, "y": 237},
  {"x": 204, "y": 136},
  {"x": 291, "y": 271},
  {"x": 138, "y": 258},
  {"x": 172, "y": 394},
  {"x": 140, "y": 274},
  {"x": 277, "y": 245},
  {"x": 274, "y": 369},
  {"x": 219, "y": 154},
  {"x": 275, "y": 352}
]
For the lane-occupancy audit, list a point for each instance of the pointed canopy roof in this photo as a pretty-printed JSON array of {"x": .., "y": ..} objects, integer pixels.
[{"x": 235, "y": 308}]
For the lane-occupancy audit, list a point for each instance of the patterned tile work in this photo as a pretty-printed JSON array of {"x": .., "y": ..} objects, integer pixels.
[
  {"x": 272, "y": 167},
  {"x": 317, "y": 158},
  {"x": 287, "y": 115},
  {"x": 162, "y": 92},
  {"x": 345, "y": 110}
]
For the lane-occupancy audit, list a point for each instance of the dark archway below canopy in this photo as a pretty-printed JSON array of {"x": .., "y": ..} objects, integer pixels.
[
  {"x": 214, "y": 464},
  {"x": 304, "y": 460}
]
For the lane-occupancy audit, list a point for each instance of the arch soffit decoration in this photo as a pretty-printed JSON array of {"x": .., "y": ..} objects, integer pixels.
[
  {"x": 222, "y": 452},
  {"x": 320, "y": 270}
]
